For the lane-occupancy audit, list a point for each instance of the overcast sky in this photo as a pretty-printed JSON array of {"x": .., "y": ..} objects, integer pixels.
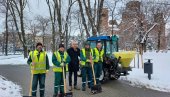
[{"x": 35, "y": 7}]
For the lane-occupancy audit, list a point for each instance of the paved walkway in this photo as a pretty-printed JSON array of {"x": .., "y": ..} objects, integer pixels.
[{"x": 21, "y": 76}]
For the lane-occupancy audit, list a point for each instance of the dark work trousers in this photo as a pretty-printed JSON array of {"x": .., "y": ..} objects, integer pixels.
[
  {"x": 58, "y": 83},
  {"x": 38, "y": 78},
  {"x": 70, "y": 78},
  {"x": 98, "y": 71},
  {"x": 86, "y": 74}
]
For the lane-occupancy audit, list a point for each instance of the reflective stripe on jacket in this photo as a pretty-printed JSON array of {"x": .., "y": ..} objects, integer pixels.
[{"x": 40, "y": 63}]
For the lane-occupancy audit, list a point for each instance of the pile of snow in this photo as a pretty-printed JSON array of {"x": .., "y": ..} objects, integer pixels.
[
  {"x": 8, "y": 88},
  {"x": 161, "y": 69}
]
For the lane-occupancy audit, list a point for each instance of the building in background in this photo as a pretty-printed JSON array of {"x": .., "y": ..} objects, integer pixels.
[
  {"x": 134, "y": 25},
  {"x": 15, "y": 45}
]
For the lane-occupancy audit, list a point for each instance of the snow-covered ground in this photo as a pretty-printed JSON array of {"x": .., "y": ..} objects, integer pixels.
[
  {"x": 8, "y": 88},
  {"x": 13, "y": 60},
  {"x": 18, "y": 59},
  {"x": 160, "y": 77},
  {"x": 161, "y": 69}
]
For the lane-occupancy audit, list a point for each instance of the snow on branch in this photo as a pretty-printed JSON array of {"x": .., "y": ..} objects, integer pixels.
[{"x": 147, "y": 32}]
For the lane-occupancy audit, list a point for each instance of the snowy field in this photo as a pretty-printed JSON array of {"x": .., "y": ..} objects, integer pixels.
[
  {"x": 13, "y": 60},
  {"x": 161, "y": 69},
  {"x": 8, "y": 88},
  {"x": 160, "y": 78},
  {"x": 18, "y": 59}
]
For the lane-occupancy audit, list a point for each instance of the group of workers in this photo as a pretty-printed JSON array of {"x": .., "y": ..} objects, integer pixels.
[{"x": 72, "y": 60}]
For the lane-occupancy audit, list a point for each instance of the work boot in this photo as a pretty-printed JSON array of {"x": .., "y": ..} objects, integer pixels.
[
  {"x": 55, "y": 95},
  {"x": 83, "y": 89},
  {"x": 42, "y": 96},
  {"x": 60, "y": 95},
  {"x": 70, "y": 88},
  {"x": 76, "y": 88}
]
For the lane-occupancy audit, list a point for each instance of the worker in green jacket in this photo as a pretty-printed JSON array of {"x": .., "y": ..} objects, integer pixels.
[
  {"x": 98, "y": 53},
  {"x": 60, "y": 58},
  {"x": 86, "y": 62},
  {"x": 39, "y": 63}
]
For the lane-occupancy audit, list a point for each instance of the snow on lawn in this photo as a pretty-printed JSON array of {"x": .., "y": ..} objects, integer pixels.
[
  {"x": 18, "y": 59},
  {"x": 13, "y": 60},
  {"x": 8, "y": 88},
  {"x": 161, "y": 69}
]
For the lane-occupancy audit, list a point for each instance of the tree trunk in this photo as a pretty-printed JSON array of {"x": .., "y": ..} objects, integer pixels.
[
  {"x": 14, "y": 41},
  {"x": 58, "y": 6},
  {"x": 43, "y": 36},
  {"x": 83, "y": 18},
  {"x": 22, "y": 28},
  {"x": 159, "y": 36},
  {"x": 6, "y": 27},
  {"x": 90, "y": 17},
  {"x": 52, "y": 18},
  {"x": 99, "y": 14},
  {"x": 3, "y": 44},
  {"x": 68, "y": 17}
]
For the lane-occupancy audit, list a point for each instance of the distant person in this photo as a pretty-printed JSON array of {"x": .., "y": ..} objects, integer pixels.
[
  {"x": 60, "y": 58},
  {"x": 74, "y": 53},
  {"x": 38, "y": 60}
]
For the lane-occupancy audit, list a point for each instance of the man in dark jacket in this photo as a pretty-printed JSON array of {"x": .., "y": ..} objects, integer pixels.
[{"x": 74, "y": 53}]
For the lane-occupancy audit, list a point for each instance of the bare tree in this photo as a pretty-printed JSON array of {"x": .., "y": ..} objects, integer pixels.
[
  {"x": 43, "y": 23},
  {"x": 17, "y": 10},
  {"x": 6, "y": 26},
  {"x": 112, "y": 6},
  {"x": 4, "y": 8},
  {"x": 34, "y": 29},
  {"x": 157, "y": 12},
  {"x": 52, "y": 11},
  {"x": 97, "y": 12},
  {"x": 68, "y": 18},
  {"x": 83, "y": 18}
]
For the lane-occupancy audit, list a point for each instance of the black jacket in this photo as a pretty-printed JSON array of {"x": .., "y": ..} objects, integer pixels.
[{"x": 74, "y": 63}]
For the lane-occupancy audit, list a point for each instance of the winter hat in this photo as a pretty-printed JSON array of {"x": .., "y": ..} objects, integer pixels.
[
  {"x": 86, "y": 43},
  {"x": 61, "y": 45},
  {"x": 39, "y": 43}
]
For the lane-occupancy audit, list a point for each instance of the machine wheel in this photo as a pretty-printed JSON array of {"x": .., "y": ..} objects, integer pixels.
[
  {"x": 101, "y": 78},
  {"x": 115, "y": 76}
]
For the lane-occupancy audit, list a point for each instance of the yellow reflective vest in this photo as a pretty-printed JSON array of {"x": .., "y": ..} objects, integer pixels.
[
  {"x": 84, "y": 55},
  {"x": 98, "y": 55},
  {"x": 58, "y": 56},
  {"x": 40, "y": 64}
]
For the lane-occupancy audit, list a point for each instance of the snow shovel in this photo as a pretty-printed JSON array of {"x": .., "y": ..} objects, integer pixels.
[
  {"x": 95, "y": 88},
  {"x": 32, "y": 74},
  {"x": 30, "y": 90},
  {"x": 66, "y": 94}
]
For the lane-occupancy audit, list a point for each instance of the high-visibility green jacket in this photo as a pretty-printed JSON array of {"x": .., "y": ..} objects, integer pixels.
[
  {"x": 59, "y": 57},
  {"x": 98, "y": 55},
  {"x": 84, "y": 58},
  {"x": 41, "y": 62}
]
